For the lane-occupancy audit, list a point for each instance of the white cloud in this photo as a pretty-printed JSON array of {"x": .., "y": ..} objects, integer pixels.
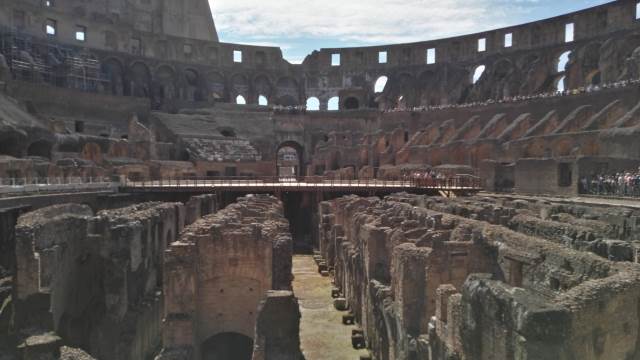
[
  {"x": 302, "y": 25},
  {"x": 366, "y": 21}
]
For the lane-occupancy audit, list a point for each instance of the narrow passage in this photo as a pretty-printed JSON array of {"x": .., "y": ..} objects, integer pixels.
[{"x": 322, "y": 335}]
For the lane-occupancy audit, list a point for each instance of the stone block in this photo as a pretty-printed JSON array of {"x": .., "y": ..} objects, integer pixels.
[
  {"x": 348, "y": 319},
  {"x": 340, "y": 304}
]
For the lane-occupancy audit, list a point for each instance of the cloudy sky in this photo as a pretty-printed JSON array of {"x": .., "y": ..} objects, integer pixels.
[{"x": 301, "y": 26}]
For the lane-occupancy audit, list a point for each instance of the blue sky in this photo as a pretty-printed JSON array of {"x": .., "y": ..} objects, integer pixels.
[{"x": 299, "y": 27}]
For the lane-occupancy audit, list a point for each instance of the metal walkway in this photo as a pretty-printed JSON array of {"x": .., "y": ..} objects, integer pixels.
[{"x": 457, "y": 186}]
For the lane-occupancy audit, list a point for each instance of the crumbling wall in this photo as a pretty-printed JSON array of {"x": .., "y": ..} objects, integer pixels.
[
  {"x": 277, "y": 328},
  {"x": 426, "y": 284},
  {"x": 220, "y": 270},
  {"x": 94, "y": 281},
  {"x": 388, "y": 262}
]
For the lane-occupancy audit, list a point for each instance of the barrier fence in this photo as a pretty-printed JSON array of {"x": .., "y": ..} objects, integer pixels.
[
  {"x": 55, "y": 184},
  {"x": 43, "y": 185},
  {"x": 452, "y": 182}
]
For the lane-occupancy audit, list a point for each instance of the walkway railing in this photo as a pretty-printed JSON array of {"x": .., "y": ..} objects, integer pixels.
[
  {"x": 9, "y": 186},
  {"x": 453, "y": 182}
]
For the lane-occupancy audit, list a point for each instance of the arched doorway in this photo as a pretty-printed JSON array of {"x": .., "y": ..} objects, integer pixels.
[
  {"x": 40, "y": 148},
  {"x": 289, "y": 160},
  {"x": 227, "y": 346},
  {"x": 351, "y": 103}
]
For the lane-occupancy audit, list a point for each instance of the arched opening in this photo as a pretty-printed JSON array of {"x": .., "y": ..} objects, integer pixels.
[
  {"x": 11, "y": 145},
  {"x": 227, "y": 346},
  {"x": 262, "y": 100},
  {"x": 381, "y": 83},
  {"x": 561, "y": 84},
  {"x": 401, "y": 103},
  {"x": 287, "y": 100},
  {"x": 289, "y": 160},
  {"x": 333, "y": 104},
  {"x": 139, "y": 79},
  {"x": 193, "y": 89},
  {"x": 351, "y": 103},
  {"x": 227, "y": 132},
  {"x": 287, "y": 88},
  {"x": 165, "y": 83},
  {"x": 313, "y": 104},
  {"x": 477, "y": 73},
  {"x": 113, "y": 71},
  {"x": 262, "y": 85},
  {"x": 215, "y": 85},
  {"x": 594, "y": 78},
  {"x": 563, "y": 60},
  {"x": 41, "y": 148},
  {"x": 240, "y": 100}
]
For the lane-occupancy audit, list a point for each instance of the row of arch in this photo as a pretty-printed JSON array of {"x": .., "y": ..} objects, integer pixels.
[
  {"x": 312, "y": 103},
  {"x": 167, "y": 83}
]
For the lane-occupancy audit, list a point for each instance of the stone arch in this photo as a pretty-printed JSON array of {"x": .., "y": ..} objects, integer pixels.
[
  {"x": 351, "y": 103},
  {"x": 239, "y": 85},
  {"x": 430, "y": 89},
  {"x": 227, "y": 345},
  {"x": 584, "y": 68},
  {"x": 313, "y": 104},
  {"x": 262, "y": 86},
  {"x": 41, "y": 148},
  {"x": 380, "y": 84},
  {"x": 12, "y": 143},
  {"x": 216, "y": 85},
  {"x": 563, "y": 146},
  {"x": 333, "y": 104},
  {"x": 287, "y": 91},
  {"x": 562, "y": 61},
  {"x": 404, "y": 90},
  {"x": 299, "y": 149},
  {"x": 478, "y": 73},
  {"x": 113, "y": 70},
  {"x": 560, "y": 83},
  {"x": 192, "y": 85},
  {"x": 502, "y": 79},
  {"x": 138, "y": 80},
  {"x": 165, "y": 82}
]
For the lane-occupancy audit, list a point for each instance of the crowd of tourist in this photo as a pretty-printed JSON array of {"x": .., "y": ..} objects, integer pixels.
[
  {"x": 296, "y": 109},
  {"x": 514, "y": 99},
  {"x": 615, "y": 184},
  {"x": 425, "y": 178}
]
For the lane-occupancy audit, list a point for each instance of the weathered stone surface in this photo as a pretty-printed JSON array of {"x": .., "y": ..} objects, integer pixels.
[
  {"x": 95, "y": 280},
  {"x": 535, "y": 299},
  {"x": 278, "y": 328},
  {"x": 218, "y": 273}
]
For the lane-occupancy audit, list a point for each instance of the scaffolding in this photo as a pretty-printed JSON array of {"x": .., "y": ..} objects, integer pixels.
[{"x": 38, "y": 60}]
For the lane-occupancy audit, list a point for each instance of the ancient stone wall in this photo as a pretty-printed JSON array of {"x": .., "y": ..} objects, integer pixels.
[
  {"x": 156, "y": 57},
  {"x": 425, "y": 284},
  {"x": 278, "y": 327},
  {"x": 219, "y": 271},
  {"x": 95, "y": 281}
]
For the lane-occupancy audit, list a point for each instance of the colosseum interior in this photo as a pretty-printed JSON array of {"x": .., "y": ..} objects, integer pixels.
[{"x": 168, "y": 196}]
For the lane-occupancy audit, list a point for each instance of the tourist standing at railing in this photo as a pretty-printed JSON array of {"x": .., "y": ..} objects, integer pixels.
[{"x": 618, "y": 184}]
